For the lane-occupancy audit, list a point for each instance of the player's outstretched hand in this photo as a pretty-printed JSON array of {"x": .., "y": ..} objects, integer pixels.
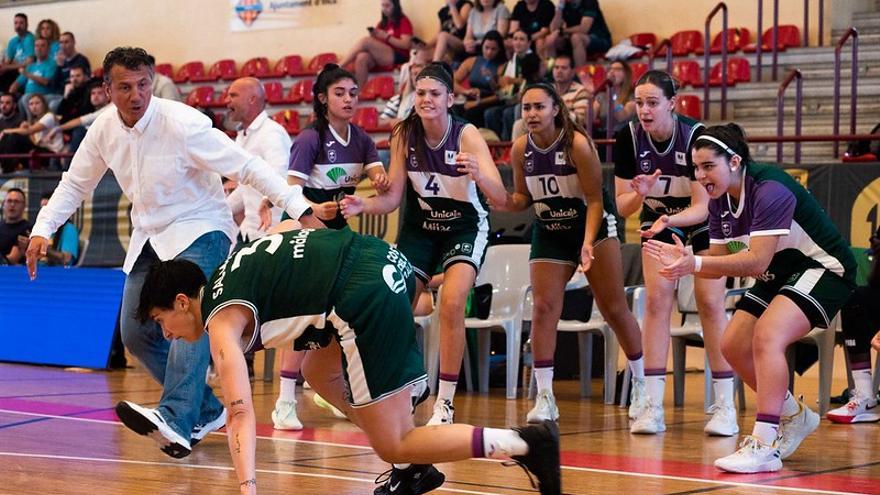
[
  {"x": 658, "y": 226},
  {"x": 265, "y": 214},
  {"x": 36, "y": 249},
  {"x": 351, "y": 206},
  {"x": 677, "y": 261},
  {"x": 642, "y": 184},
  {"x": 586, "y": 256},
  {"x": 381, "y": 183}
]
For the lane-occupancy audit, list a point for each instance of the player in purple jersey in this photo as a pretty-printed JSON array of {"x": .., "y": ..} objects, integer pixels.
[
  {"x": 653, "y": 172},
  {"x": 444, "y": 165},
  {"x": 764, "y": 224},
  {"x": 556, "y": 168}
]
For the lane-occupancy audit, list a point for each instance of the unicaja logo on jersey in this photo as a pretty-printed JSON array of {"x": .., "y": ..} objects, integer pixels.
[
  {"x": 393, "y": 279},
  {"x": 335, "y": 174}
]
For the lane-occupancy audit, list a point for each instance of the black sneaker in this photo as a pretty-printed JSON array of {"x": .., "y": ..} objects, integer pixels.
[
  {"x": 414, "y": 480},
  {"x": 149, "y": 423},
  {"x": 543, "y": 457}
]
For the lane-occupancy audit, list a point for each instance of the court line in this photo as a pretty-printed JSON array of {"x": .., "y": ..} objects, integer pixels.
[
  {"x": 212, "y": 467},
  {"x": 564, "y": 467}
]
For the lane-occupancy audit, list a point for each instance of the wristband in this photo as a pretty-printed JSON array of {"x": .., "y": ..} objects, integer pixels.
[{"x": 698, "y": 264}]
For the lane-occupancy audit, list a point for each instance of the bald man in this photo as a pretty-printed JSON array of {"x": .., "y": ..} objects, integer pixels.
[{"x": 260, "y": 136}]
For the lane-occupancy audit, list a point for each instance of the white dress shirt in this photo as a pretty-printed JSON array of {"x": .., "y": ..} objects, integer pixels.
[
  {"x": 169, "y": 166},
  {"x": 268, "y": 140}
]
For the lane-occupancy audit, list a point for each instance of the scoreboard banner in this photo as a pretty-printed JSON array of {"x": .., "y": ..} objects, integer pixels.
[{"x": 850, "y": 193}]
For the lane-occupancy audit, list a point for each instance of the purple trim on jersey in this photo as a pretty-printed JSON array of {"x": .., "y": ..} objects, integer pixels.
[
  {"x": 302, "y": 153},
  {"x": 553, "y": 160},
  {"x": 307, "y": 151},
  {"x": 442, "y": 159},
  {"x": 291, "y": 375},
  {"x": 671, "y": 161},
  {"x": 478, "y": 450},
  {"x": 548, "y": 363},
  {"x": 766, "y": 208}
]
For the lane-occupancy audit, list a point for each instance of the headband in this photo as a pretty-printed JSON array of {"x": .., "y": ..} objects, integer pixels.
[
  {"x": 720, "y": 143},
  {"x": 437, "y": 72}
]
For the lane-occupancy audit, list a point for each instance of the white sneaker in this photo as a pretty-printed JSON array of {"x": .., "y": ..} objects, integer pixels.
[
  {"x": 284, "y": 416},
  {"x": 723, "y": 422},
  {"x": 651, "y": 421},
  {"x": 859, "y": 409},
  {"x": 201, "y": 431},
  {"x": 545, "y": 408},
  {"x": 752, "y": 457},
  {"x": 443, "y": 413},
  {"x": 150, "y": 423},
  {"x": 795, "y": 428},
  {"x": 323, "y": 404},
  {"x": 638, "y": 397}
]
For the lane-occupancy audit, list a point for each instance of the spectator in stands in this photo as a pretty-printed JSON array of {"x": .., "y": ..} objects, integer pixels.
[
  {"x": 19, "y": 52},
  {"x": 453, "y": 27},
  {"x": 524, "y": 67},
  {"x": 49, "y": 30},
  {"x": 860, "y": 320},
  {"x": 578, "y": 28},
  {"x": 387, "y": 44},
  {"x": 37, "y": 78},
  {"x": 163, "y": 86},
  {"x": 534, "y": 18},
  {"x": 78, "y": 126},
  {"x": 10, "y": 118},
  {"x": 75, "y": 101},
  {"x": 400, "y": 105},
  {"x": 66, "y": 59},
  {"x": 489, "y": 15},
  {"x": 481, "y": 75},
  {"x": 14, "y": 229},
  {"x": 575, "y": 95},
  {"x": 39, "y": 128},
  {"x": 168, "y": 160},
  {"x": 64, "y": 248},
  {"x": 620, "y": 87}
]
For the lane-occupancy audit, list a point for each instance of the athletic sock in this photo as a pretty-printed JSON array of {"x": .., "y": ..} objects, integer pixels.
[
  {"x": 288, "y": 386},
  {"x": 722, "y": 383},
  {"x": 544, "y": 375},
  {"x": 496, "y": 443},
  {"x": 766, "y": 428},
  {"x": 863, "y": 381},
  {"x": 446, "y": 390},
  {"x": 637, "y": 365},
  {"x": 655, "y": 385}
]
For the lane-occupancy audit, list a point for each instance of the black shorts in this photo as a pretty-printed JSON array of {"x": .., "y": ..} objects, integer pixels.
[{"x": 696, "y": 236}]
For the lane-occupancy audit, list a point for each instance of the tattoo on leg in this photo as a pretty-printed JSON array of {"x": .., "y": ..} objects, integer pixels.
[
  {"x": 237, "y": 444},
  {"x": 250, "y": 482},
  {"x": 236, "y": 402},
  {"x": 221, "y": 355}
]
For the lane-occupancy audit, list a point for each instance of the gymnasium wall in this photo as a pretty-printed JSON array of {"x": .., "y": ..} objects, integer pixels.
[{"x": 178, "y": 31}]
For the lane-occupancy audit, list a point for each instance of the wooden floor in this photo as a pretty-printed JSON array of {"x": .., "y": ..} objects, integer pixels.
[{"x": 59, "y": 435}]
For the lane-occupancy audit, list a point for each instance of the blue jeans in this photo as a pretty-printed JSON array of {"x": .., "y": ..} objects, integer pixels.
[{"x": 179, "y": 366}]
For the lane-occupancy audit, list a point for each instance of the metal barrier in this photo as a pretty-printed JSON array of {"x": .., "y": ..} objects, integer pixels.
[
  {"x": 853, "y": 97},
  {"x": 663, "y": 43},
  {"x": 775, "y": 37},
  {"x": 706, "y": 62},
  {"x": 780, "y": 107}
]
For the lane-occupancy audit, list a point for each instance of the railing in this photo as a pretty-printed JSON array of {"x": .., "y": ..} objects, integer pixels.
[
  {"x": 664, "y": 43},
  {"x": 854, "y": 34},
  {"x": 821, "y": 40},
  {"x": 775, "y": 38},
  {"x": 706, "y": 65},
  {"x": 780, "y": 107},
  {"x": 609, "y": 114}
]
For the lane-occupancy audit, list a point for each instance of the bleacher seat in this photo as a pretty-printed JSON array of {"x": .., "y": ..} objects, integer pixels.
[
  {"x": 289, "y": 119},
  {"x": 715, "y": 76},
  {"x": 684, "y": 42},
  {"x": 274, "y": 93},
  {"x": 638, "y": 69},
  {"x": 222, "y": 69},
  {"x": 221, "y": 100},
  {"x": 788, "y": 37},
  {"x": 320, "y": 60},
  {"x": 740, "y": 68},
  {"x": 200, "y": 96},
  {"x": 867, "y": 157},
  {"x": 98, "y": 72},
  {"x": 367, "y": 118},
  {"x": 165, "y": 70},
  {"x": 255, "y": 67},
  {"x": 289, "y": 65},
  {"x": 590, "y": 71},
  {"x": 190, "y": 70},
  {"x": 645, "y": 40},
  {"x": 690, "y": 106},
  {"x": 301, "y": 92},
  {"x": 737, "y": 39},
  {"x": 687, "y": 72},
  {"x": 378, "y": 87}
]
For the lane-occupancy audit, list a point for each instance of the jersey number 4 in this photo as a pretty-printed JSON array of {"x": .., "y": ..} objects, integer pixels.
[{"x": 432, "y": 184}]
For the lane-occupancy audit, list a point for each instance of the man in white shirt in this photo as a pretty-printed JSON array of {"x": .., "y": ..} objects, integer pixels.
[{"x": 168, "y": 161}]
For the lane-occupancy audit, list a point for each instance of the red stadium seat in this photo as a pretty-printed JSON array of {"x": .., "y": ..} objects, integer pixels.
[
  {"x": 378, "y": 87},
  {"x": 638, "y": 69},
  {"x": 367, "y": 118},
  {"x": 290, "y": 65},
  {"x": 737, "y": 39},
  {"x": 687, "y": 72},
  {"x": 684, "y": 42},
  {"x": 274, "y": 93},
  {"x": 255, "y": 67},
  {"x": 789, "y": 37},
  {"x": 289, "y": 119},
  {"x": 644, "y": 40},
  {"x": 689, "y": 105},
  {"x": 221, "y": 101},
  {"x": 867, "y": 157},
  {"x": 201, "y": 96},
  {"x": 595, "y": 73},
  {"x": 222, "y": 69},
  {"x": 740, "y": 68},
  {"x": 301, "y": 92},
  {"x": 320, "y": 60},
  {"x": 190, "y": 70},
  {"x": 98, "y": 72},
  {"x": 715, "y": 76},
  {"x": 165, "y": 70}
]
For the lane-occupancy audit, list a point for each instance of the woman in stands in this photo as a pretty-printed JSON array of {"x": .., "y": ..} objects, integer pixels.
[
  {"x": 480, "y": 73},
  {"x": 620, "y": 87},
  {"x": 523, "y": 68},
  {"x": 48, "y": 29},
  {"x": 387, "y": 44},
  {"x": 445, "y": 167},
  {"x": 653, "y": 171},
  {"x": 37, "y": 129},
  {"x": 487, "y": 15},
  {"x": 764, "y": 224},
  {"x": 556, "y": 169},
  {"x": 453, "y": 27},
  {"x": 328, "y": 160}
]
